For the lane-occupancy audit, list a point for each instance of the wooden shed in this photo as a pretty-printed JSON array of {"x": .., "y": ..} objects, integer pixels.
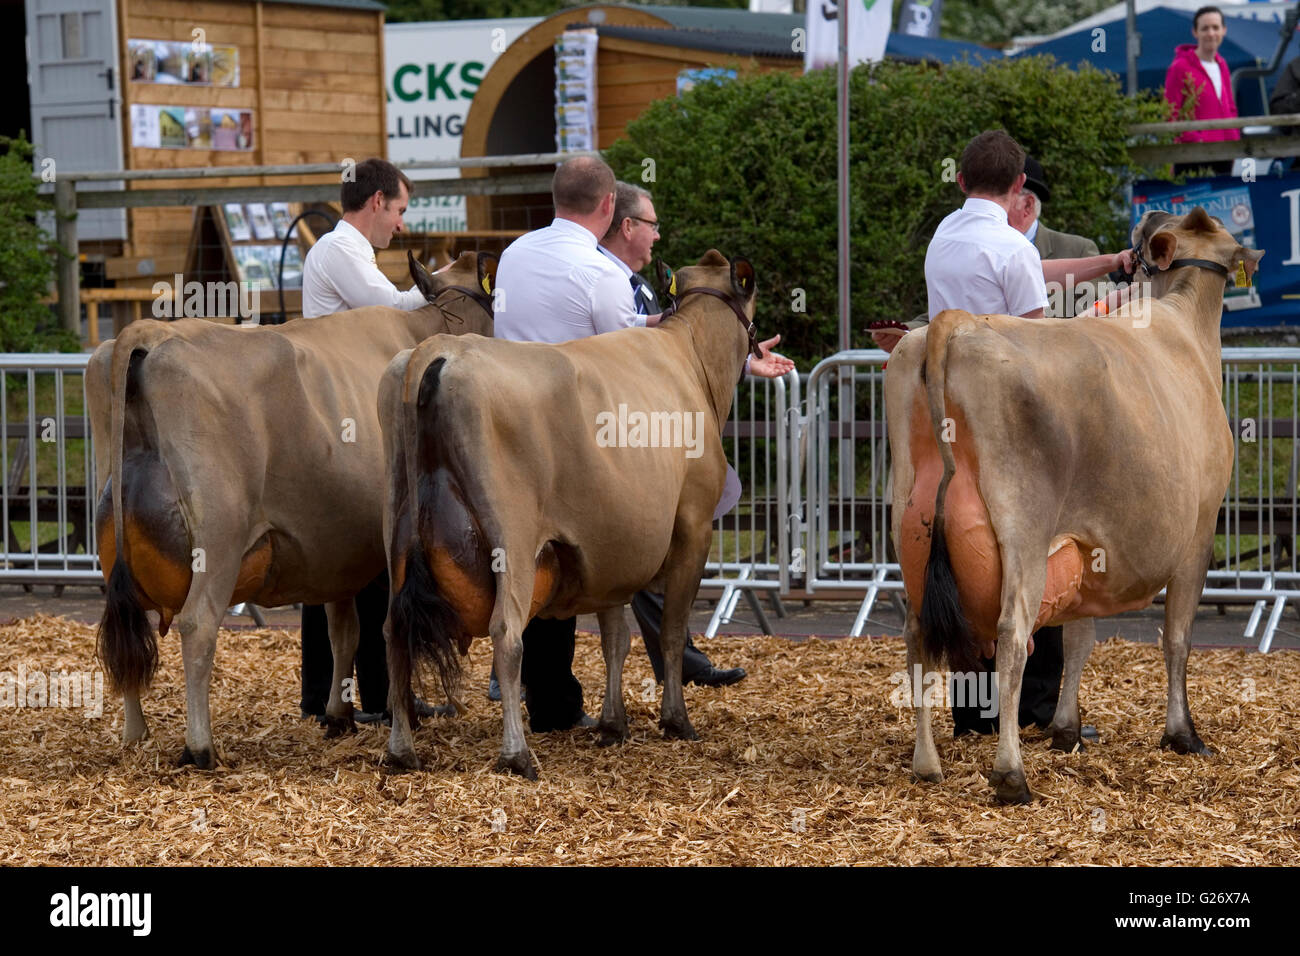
[
  {"x": 641, "y": 52},
  {"x": 159, "y": 84}
]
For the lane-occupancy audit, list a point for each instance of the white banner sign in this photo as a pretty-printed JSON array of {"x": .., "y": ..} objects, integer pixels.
[
  {"x": 434, "y": 70},
  {"x": 869, "y": 22}
]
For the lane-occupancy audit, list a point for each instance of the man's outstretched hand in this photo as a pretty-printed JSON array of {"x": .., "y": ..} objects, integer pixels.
[{"x": 772, "y": 364}]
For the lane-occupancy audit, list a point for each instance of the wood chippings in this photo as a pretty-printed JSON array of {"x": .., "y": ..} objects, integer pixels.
[{"x": 806, "y": 762}]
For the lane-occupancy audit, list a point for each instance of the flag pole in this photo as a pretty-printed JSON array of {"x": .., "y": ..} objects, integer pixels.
[{"x": 842, "y": 100}]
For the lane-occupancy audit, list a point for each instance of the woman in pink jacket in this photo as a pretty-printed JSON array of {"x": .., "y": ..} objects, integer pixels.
[{"x": 1200, "y": 73}]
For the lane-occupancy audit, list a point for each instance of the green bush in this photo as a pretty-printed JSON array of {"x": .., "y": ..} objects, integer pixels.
[
  {"x": 749, "y": 167},
  {"x": 26, "y": 259}
]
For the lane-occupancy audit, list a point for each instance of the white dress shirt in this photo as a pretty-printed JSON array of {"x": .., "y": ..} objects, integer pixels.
[
  {"x": 555, "y": 285},
  {"x": 340, "y": 274},
  {"x": 978, "y": 262}
]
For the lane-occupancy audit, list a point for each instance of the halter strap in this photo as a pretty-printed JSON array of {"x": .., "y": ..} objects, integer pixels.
[
  {"x": 475, "y": 294},
  {"x": 750, "y": 330}
]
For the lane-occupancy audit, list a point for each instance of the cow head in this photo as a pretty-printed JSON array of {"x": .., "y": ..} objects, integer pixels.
[
  {"x": 1167, "y": 243},
  {"x": 731, "y": 280},
  {"x": 473, "y": 273}
]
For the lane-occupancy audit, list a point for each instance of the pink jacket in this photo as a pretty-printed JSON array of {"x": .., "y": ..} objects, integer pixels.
[{"x": 1208, "y": 106}]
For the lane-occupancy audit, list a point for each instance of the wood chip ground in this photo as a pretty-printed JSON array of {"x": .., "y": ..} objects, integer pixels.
[{"x": 804, "y": 763}]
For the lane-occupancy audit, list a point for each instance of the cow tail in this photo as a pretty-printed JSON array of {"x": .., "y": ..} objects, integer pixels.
[
  {"x": 424, "y": 627},
  {"x": 125, "y": 639},
  {"x": 943, "y": 622}
]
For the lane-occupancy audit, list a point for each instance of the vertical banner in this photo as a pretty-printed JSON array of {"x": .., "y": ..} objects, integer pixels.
[
  {"x": 920, "y": 18},
  {"x": 868, "y": 31},
  {"x": 575, "y": 91}
]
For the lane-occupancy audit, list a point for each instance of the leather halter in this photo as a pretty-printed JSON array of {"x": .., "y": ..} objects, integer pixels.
[
  {"x": 475, "y": 294},
  {"x": 1150, "y": 269},
  {"x": 735, "y": 307}
]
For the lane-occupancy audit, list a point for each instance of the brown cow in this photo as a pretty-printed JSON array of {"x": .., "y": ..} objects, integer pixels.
[
  {"x": 247, "y": 464},
  {"x": 1057, "y": 470},
  {"x": 513, "y": 494}
]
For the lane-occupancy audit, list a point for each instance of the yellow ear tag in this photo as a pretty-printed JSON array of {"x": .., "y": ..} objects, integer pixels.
[
  {"x": 1242, "y": 281},
  {"x": 487, "y": 285},
  {"x": 672, "y": 286}
]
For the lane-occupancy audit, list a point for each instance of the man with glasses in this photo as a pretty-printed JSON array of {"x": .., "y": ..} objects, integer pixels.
[{"x": 628, "y": 241}]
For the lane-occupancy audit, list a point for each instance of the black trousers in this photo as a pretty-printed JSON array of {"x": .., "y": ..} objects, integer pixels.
[
  {"x": 1039, "y": 689},
  {"x": 371, "y": 658},
  {"x": 648, "y": 608},
  {"x": 552, "y": 693}
]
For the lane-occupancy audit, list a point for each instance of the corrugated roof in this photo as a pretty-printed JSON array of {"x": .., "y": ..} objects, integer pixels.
[
  {"x": 733, "y": 42},
  {"x": 722, "y": 18},
  {"x": 778, "y": 46}
]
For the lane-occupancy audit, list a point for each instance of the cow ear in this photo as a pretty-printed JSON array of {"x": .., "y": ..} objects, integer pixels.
[
  {"x": 742, "y": 277},
  {"x": 1162, "y": 247},
  {"x": 667, "y": 281},
  {"x": 487, "y": 271},
  {"x": 1244, "y": 264},
  {"x": 420, "y": 276},
  {"x": 1151, "y": 220}
]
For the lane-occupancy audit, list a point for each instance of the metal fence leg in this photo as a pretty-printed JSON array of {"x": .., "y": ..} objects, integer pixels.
[
  {"x": 754, "y": 603},
  {"x": 1279, "y": 604}
]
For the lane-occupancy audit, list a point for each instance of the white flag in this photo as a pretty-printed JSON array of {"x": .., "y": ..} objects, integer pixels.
[{"x": 869, "y": 22}]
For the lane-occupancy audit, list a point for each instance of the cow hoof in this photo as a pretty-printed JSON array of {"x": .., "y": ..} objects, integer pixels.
[
  {"x": 403, "y": 761},
  {"x": 204, "y": 759},
  {"x": 935, "y": 776},
  {"x": 337, "y": 726},
  {"x": 1010, "y": 786},
  {"x": 520, "y": 763},
  {"x": 682, "y": 731},
  {"x": 1068, "y": 741},
  {"x": 1188, "y": 743},
  {"x": 608, "y": 736}
]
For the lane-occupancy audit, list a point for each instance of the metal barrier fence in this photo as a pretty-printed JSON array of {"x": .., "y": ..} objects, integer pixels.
[
  {"x": 845, "y": 522},
  {"x": 751, "y": 542},
  {"x": 812, "y": 522},
  {"x": 48, "y": 470}
]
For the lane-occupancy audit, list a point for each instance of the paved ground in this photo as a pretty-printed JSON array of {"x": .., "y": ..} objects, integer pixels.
[{"x": 828, "y": 619}]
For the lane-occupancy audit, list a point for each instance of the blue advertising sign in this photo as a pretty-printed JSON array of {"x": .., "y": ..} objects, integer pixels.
[{"x": 1264, "y": 214}]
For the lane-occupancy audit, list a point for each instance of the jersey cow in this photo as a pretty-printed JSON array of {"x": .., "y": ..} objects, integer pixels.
[
  {"x": 1050, "y": 471},
  {"x": 245, "y": 464},
  {"x": 530, "y": 479}
]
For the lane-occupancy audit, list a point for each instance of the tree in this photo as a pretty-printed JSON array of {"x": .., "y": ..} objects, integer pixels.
[
  {"x": 749, "y": 167},
  {"x": 26, "y": 259}
]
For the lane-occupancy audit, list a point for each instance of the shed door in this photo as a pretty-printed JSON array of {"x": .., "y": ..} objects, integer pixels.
[{"x": 76, "y": 97}]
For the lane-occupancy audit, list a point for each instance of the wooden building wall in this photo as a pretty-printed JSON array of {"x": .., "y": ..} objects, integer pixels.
[
  {"x": 630, "y": 75},
  {"x": 312, "y": 75}
]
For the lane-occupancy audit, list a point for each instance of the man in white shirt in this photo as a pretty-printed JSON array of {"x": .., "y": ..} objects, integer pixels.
[
  {"x": 340, "y": 274},
  {"x": 340, "y": 271},
  {"x": 554, "y": 285},
  {"x": 978, "y": 262}
]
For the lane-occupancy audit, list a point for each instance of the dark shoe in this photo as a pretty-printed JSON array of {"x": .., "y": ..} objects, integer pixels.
[
  {"x": 369, "y": 716},
  {"x": 586, "y": 721},
  {"x": 428, "y": 710},
  {"x": 1089, "y": 733},
  {"x": 712, "y": 677},
  {"x": 312, "y": 715}
]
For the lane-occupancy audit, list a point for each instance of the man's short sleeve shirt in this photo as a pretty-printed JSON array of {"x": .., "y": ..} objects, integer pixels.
[
  {"x": 554, "y": 285},
  {"x": 978, "y": 262}
]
